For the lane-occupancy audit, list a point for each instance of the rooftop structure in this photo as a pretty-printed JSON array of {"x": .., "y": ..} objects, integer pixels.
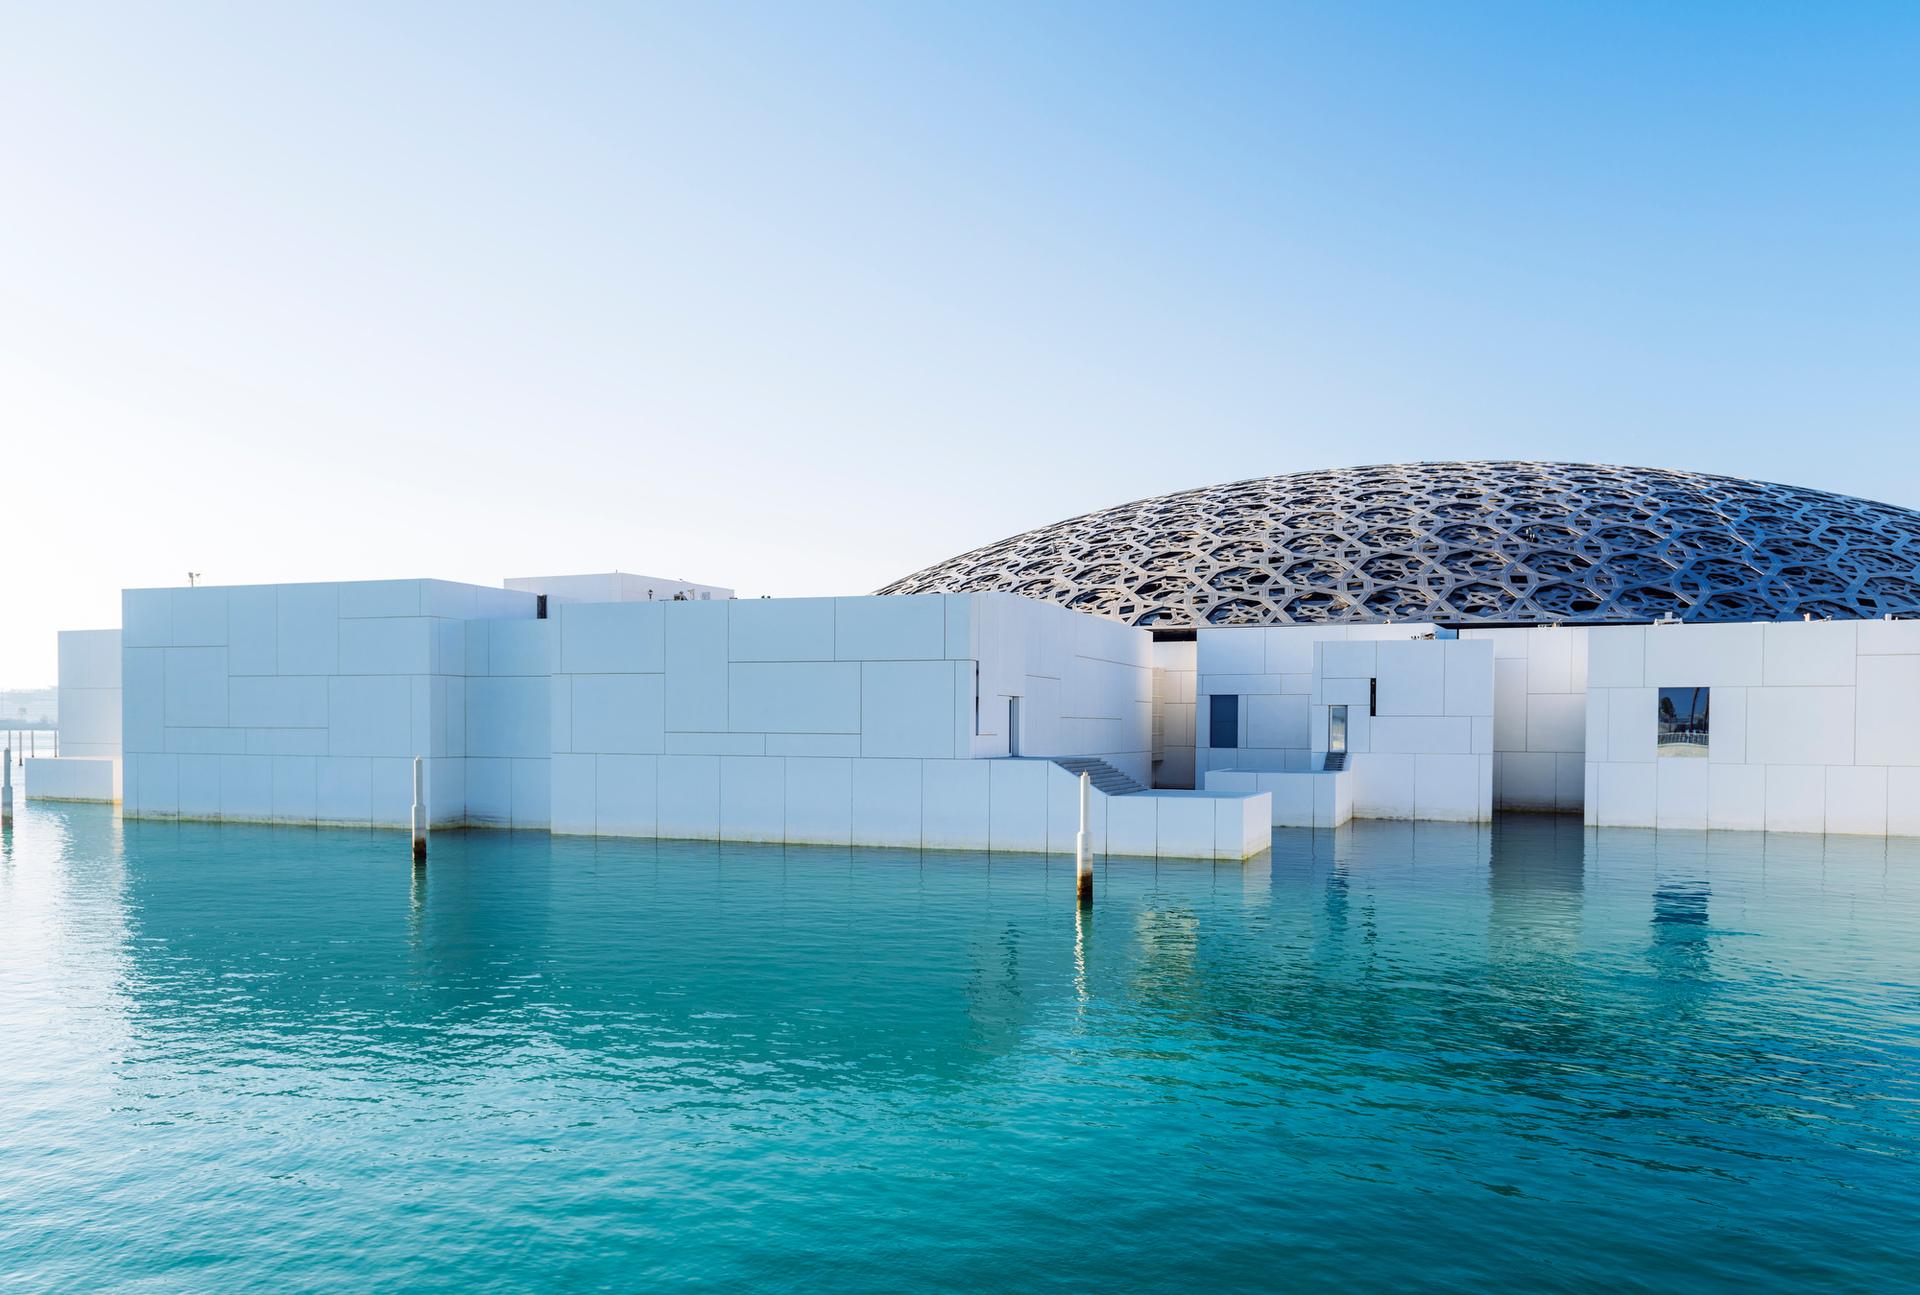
[{"x": 1485, "y": 543}]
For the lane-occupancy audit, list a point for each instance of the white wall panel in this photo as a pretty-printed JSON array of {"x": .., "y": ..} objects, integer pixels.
[
  {"x": 1633, "y": 719},
  {"x": 370, "y": 715},
  {"x": 753, "y": 798},
  {"x": 1682, "y": 795},
  {"x": 209, "y": 741},
  {"x": 1727, "y": 726},
  {"x": 253, "y": 633},
  {"x": 308, "y": 640},
  {"x": 1616, "y": 656},
  {"x": 72, "y": 778},
  {"x": 781, "y": 629},
  {"x": 1133, "y": 826},
  {"x": 813, "y": 744},
  {"x": 1528, "y": 779},
  {"x": 89, "y": 659},
  {"x": 1383, "y": 785},
  {"x": 689, "y": 795},
  {"x": 277, "y": 701},
  {"x": 1886, "y": 710},
  {"x": 1549, "y": 658},
  {"x": 892, "y": 628},
  {"x": 618, "y": 713},
  {"x": 1017, "y": 805},
  {"x": 196, "y": 687},
  {"x": 1810, "y": 653},
  {"x": 532, "y": 793},
  {"x": 1796, "y": 798},
  {"x": 1903, "y": 800},
  {"x": 1802, "y": 726},
  {"x": 296, "y": 788},
  {"x": 572, "y": 791},
  {"x": 274, "y": 741},
  {"x": 159, "y": 784},
  {"x": 246, "y": 787},
  {"x": 1557, "y": 722},
  {"x": 696, "y": 656},
  {"x": 360, "y": 598},
  {"x": 1880, "y": 638},
  {"x": 90, "y": 720},
  {"x": 1347, "y": 660},
  {"x": 887, "y": 796},
  {"x": 962, "y": 636},
  {"x": 1711, "y": 656},
  {"x": 1857, "y": 801},
  {"x": 1469, "y": 676},
  {"x": 200, "y": 617},
  {"x": 1412, "y": 678},
  {"x": 954, "y": 803},
  {"x": 199, "y": 786},
  {"x": 715, "y": 744},
  {"x": 1509, "y": 703},
  {"x": 514, "y": 647},
  {"x": 1736, "y": 797},
  {"x": 386, "y": 646},
  {"x": 626, "y": 795},
  {"x": 489, "y": 791},
  {"x": 819, "y": 808},
  {"x": 631, "y": 638},
  {"x": 1411, "y": 735},
  {"x": 1275, "y": 720},
  {"x": 1626, "y": 793},
  {"x": 795, "y": 696},
  {"x": 1240, "y": 651},
  {"x": 907, "y": 709},
  {"x": 146, "y": 618},
  {"x": 509, "y": 716},
  {"x": 1184, "y": 824}
]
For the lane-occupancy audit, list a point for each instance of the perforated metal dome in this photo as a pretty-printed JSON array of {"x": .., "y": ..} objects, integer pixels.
[{"x": 1463, "y": 543}]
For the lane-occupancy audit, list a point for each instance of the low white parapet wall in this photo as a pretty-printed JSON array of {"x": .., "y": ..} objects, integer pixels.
[
  {"x": 1172, "y": 824},
  {"x": 1013, "y": 804},
  {"x": 1319, "y": 799},
  {"x": 73, "y": 778}
]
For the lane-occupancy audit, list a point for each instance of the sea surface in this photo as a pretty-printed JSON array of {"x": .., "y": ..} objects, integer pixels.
[{"x": 1392, "y": 1058}]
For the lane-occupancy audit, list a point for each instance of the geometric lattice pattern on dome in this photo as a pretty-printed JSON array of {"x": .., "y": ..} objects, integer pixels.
[{"x": 1496, "y": 543}]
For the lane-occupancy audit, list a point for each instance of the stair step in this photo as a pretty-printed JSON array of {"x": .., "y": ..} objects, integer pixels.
[{"x": 1101, "y": 774}]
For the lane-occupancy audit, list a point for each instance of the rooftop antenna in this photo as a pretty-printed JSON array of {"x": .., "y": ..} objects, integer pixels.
[{"x": 193, "y": 578}]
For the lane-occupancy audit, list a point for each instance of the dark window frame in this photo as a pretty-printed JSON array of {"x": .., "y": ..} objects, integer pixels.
[
  {"x": 1231, "y": 710},
  {"x": 1682, "y": 722}
]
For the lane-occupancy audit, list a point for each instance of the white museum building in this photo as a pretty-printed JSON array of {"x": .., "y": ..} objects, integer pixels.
[{"x": 1425, "y": 641}]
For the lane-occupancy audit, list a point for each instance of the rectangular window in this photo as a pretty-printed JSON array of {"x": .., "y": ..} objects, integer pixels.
[
  {"x": 1223, "y": 720},
  {"x": 1373, "y": 696},
  {"x": 1683, "y": 723}
]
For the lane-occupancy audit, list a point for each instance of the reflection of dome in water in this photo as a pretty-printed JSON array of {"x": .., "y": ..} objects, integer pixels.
[{"x": 1480, "y": 543}]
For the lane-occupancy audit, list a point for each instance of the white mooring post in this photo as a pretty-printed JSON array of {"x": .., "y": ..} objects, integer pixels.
[
  {"x": 419, "y": 811},
  {"x": 1083, "y": 843},
  {"x": 6, "y": 787}
]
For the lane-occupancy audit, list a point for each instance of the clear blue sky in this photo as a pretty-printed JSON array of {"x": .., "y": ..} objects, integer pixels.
[{"x": 799, "y": 298}]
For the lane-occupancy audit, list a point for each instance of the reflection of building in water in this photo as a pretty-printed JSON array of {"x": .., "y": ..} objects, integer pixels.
[
  {"x": 1681, "y": 945},
  {"x": 1536, "y": 880},
  {"x": 1169, "y": 940}
]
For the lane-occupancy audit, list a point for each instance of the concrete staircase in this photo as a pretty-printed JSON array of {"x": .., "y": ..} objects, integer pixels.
[{"x": 1105, "y": 777}]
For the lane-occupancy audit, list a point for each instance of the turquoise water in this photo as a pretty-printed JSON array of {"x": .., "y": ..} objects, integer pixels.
[{"x": 1388, "y": 1059}]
